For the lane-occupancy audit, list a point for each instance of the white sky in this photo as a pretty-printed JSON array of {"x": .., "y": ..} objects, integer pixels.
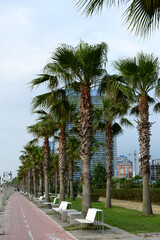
[{"x": 29, "y": 31}]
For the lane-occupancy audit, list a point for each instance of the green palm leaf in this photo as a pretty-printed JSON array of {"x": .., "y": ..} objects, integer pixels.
[{"x": 157, "y": 108}]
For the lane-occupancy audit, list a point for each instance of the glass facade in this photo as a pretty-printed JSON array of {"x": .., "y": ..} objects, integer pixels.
[{"x": 100, "y": 155}]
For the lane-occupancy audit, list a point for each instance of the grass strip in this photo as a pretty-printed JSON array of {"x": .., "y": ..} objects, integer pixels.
[
  {"x": 127, "y": 219},
  {"x": 77, "y": 227}
]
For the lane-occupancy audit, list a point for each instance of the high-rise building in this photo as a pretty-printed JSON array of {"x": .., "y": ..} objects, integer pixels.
[
  {"x": 51, "y": 146},
  {"x": 7, "y": 177},
  {"x": 100, "y": 155},
  {"x": 155, "y": 169}
]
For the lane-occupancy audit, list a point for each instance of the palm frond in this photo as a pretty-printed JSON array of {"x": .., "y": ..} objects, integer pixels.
[
  {"x": 157, "y": 88},
  {"x": 157, "y": 108},
  {"x": 142, "y": 16},
  {"x": 126, "y": 122},
  {"x": 135, "y": 111},
  {"x": 43, "y": 78},
  {"x": 93, "y": 6},
  {"x": 116, "y": 129}
]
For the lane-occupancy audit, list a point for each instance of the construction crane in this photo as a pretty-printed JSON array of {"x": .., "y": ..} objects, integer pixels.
[{"x": 135, "y": 161}]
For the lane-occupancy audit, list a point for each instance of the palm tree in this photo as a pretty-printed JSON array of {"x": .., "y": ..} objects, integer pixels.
[
  {"x": 84, "y": 65},
  {"x": 72, "y": 155},
  {"x": 62, "y": 112},
  {"x": 141, "y": 73},
  {"x": 44, "y": 128},
  {"x": 55, "y": 162},
  {"x": 26, "y": 160},
  {"x": 105, "y": 118},
  {"x": 141, "y": 16},
  {"x": 61, "y": 109}
]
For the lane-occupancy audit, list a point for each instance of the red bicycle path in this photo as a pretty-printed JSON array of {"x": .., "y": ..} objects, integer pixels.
[{"x": 24, "y": 221}]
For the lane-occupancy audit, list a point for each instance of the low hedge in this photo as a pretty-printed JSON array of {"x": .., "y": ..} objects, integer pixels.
[
  {"x": 130, "y": 194},
  {"x": 94, "y": 197}
]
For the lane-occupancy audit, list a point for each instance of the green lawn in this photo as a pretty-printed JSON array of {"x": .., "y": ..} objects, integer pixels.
[{"x": 130, "y": 220}]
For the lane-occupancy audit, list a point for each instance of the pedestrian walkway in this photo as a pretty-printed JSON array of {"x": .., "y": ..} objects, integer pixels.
[{"x": 24, "y": 221}]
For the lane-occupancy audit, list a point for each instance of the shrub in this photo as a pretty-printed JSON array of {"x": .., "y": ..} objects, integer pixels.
[
  {"x": 94, "y": 197},
  {"x": 130, "y": 194}
]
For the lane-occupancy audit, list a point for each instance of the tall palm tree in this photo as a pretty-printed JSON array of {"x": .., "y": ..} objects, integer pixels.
[
  {"x": 62, "y": 112},
  {"x": 141, "y": 73},
  {"x": 141, "y": 16},
  {"x": 72, "y": 155},
  {"x": 55, "y": 162},
  {"x": 26, "y": 160},
  {"x": 45, "y": 128},
  {"x": 83, "y": 65},
  {"x": 105, "y": 117},
  {"x": 61, "y": 109}
]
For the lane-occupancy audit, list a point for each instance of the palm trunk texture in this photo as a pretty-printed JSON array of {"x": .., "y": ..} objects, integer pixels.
[
  {"x": 85, "y": 133},
  {"x": 71, "y": 181},
  {"x": 109, "y": 157},
  {"x": 34, "y": 182},
  {"x": 144, "y": 141},
  {"x": 46, "y": 152},
  {"x": 29, "y": 181},
  {"x": 56, "y": 180},
  {"x": 62, "y": 163},
  {"x": 41, "y": 179}
]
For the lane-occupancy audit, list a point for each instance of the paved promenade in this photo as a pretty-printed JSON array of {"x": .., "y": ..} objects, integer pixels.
[{"x": 24, "y": 221}]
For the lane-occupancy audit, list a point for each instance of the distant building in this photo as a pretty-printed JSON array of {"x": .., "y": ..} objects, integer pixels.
[
  {"x": 125, "y": 167},
  {"x": 7, "y": 177},
  {"x": 51, "y": 146},
  {"x": 100, "y": 155},
  {"x": 155, "y": 169}
]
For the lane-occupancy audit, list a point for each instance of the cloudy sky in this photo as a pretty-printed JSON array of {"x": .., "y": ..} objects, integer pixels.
[{"x": 29, "y": 32}]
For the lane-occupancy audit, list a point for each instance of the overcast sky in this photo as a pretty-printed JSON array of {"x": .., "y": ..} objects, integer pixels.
[{"x": 29, "y": 31}]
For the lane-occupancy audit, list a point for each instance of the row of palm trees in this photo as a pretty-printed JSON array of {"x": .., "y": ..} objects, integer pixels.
[{"x": 75, "y": 70}]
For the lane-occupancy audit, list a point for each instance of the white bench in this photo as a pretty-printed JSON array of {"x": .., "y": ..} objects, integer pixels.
[
  {"x": 90, "y": 217},
  {"x": 52, "y": 203},
  {"x": 63, "y": 205}
]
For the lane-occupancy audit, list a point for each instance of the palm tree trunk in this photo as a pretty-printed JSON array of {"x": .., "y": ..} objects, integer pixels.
[
  {"x": 29, "y": 181},
  {"x": 34, "y": 182},
  {"x": 144, "y": 141},
  {"x": 71, "y": 181},
  {"x": 46, "y": 152},
  {"x": 68, "y": 187},
  {"x": 25, "y": 182},
  {"x": 85, "y": 133},
  {"x": 40, "y": 179},
  {"x": 56, "y": 180},
  {"x": 62, "y": 162},
  {"x": 109, "y": 157}
]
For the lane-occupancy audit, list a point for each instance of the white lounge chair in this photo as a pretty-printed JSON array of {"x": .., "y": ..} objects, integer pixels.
[
  {"x": 63, "y": 205},
  {"x": 90, "y": 217},
  {"x": 52, "y": 203}
]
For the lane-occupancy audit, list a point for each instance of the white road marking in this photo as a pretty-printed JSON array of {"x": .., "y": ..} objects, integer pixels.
[
  {"x": 31, "y": 237},
  {"x": 27, "y": 226}
]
